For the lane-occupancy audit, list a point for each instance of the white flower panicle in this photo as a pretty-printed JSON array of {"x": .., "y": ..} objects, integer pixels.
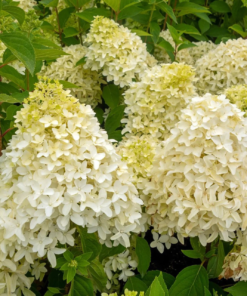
[
  {"x": 223, "y": 67},
  {"x": 188, "y": 56},
  {"x": 119, "y": 267},
  {"x": 199, "y": 184},
  {"x": 154, "y": 103},
  {"x": 159, "y": 242},
  {"x": 237, "y": 94},
  {"x": 26, "y": 4},
  {"x": 87, "y": 81},
  {"x": 235, "y": 264},
  {"x": 60, "y": 168},
  {"x": 120, "y": 54}
]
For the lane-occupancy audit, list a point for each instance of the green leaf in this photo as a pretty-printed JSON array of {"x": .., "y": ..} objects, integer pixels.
[
  {"x": 67, "y": 84},
  {"x": 20, "y": 96},
  {"x": 207, "y": 292},
  {"x": 70, "y": 32},
  {"x": 140, "y": 32},
  {"x": 78, "y": 3},
  {"x": 49, "y": 3},
  {"x": 216, "y": 31},
  {"x": 190, "y": 8},
  {"x": 130, "y": 11},
  {"x": 89, "y": 242},
  {"x": 98, "y": 275},
  {"x": 89, "y": 14},
  {"x": 64, "y": 15},
  {"x": 48, "y": 53},
  {"x": 127, "y": 3},
  {"x": 187, "y": 29},
  {"x": 71, "y": 272},
  {"x": 190, "y": 282},
  {"x": 238, "y": 289},
  {"x": 108, "y": 252},
  {"x": 237, "y": 28},
  {"x": 215, "y": 263},
  {"x": 155, "y": 31},
  {"x": 168, "y": 48},
  {"x": 84, "y": 257},
  {"x": 21, "y": 47},
  {"x": 210, "y": 253},
  {"x": 143, "y": 253},
  {"x": 203, "y": 16},
  {"x": 99, "y": 114},
  {"x": 68, "y": 256},
  {"x": 196, "y": 245},
  {"x": 167, "y": 9},
  {"x": 114, "y": 4},
  {"x": 115, "y": 135},
  {"x": 8, "y": 57},
  {"x": 113, "y": 120},
  {"x": 220, "y": 6},
  {"x": 135, "y": 284},
  {"x": 8, "y": 99},
  {"x": 203, "y": 25},
  {"x": 11, "y": 111},
  {"x": 192, "y": 254},
  {"x": 158, "y": 287},
  {"x": 11, "y": 74},
  {"x": 15, "y": 12},
  {"x": 45, "y": 43},
  {"x": 111, "y": 95},
  {"x": 150, "y": 276},
  {"x": 82, "y": 61},
  {"x": 81, "y": 286},
  {"x": 175, "y": 35},
  {"x": 214, "y": 287},
  {"x": 61, "y": 261},
  {"x": 54, "y": 290}
]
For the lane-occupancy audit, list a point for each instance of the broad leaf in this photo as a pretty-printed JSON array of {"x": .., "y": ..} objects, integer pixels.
[
  {"x": 81, "y": 286},
  {"x": 238, "y": 289},
  {"x": 98, "y": 275},
  {"x": 150, "y": 276},
  {"x": 78, "y": 3},
  {"x": 113, "y": 120},
  {"x": 237, "y": 28},
  {"x": 114, "y": 4},
  {"x": 21, "y": 47},
  {"x": 215, "y": 263},
  {"x": 13, "y": 75},
  {"x": 220, "y": 6},
  {"x": 111, "y": 95},
  {"x": 140, "y": 32},
  {"x": 67, "y": 84},
  {"x": 167, "y": 47},
  {"x": 167, "y": 9},
  {"x": 70, "y": 32},
  {"x": 155, "y": 31},
  {"x": 203, "y": 25},
  {"x": 130, "y": 11},
  {"x": 192, "y": 254},
  {"x": 11, "y": 111},
  {"x": 49, "y": 3},
  {"x": 108, "y": 252},
  {"x": 190, "y": 282},
  {"x": 8, "y": 99},
  {"x": 15, "y": 12},
  {"x": 190, "y": 8},
  {"x": 187, "y": 29},
  {"x": 135, "y": 284},
  {"x": 64, "y": 15},
  {"x": 143, "y": 253}
]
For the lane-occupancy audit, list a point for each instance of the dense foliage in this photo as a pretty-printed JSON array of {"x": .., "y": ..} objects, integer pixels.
[{"x": 123, "y": 134}]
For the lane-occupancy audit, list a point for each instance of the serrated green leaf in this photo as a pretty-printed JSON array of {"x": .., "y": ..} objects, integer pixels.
[
  {"x": 15, "y": 12},
  {"x": 238, "y": 289},
  {"x": 21, "y": 47},
  {"x": 89, "y": 14},
  {"x": 45, "y": 42},
  {"x": 48, "y": 54},
  {"x": 150, "y": 276},
  {"x": 81, "y": 286},
  {"x": 71, "y": 272},
  {"x": 68, "y": 255},
  {"x": 192, "y": 254},
  {"x": 207, "y": 292},
  {"x": 70, "y": 32},
  {"x": 190, "y": 282},
  {"x": 111, "y": 95},
  {"x": 98, "y": 275},
  {"x": 135, "y": 284},
  {"x": 143, "y": 253}
]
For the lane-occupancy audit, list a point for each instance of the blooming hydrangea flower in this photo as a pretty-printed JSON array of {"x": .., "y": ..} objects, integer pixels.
[
  {"x": 26, "y": 4},
  {"x": 154, "y": 103},
  {"x": 237, "y": 94},
  {"x": 235, "y": 264},
  {"x": 60, "y": 168},
  {"x": 223, "y": 67},
  {"x": 119, "y": 267},
  {"x": 188, "y": 56},
  {"x": 198, "y": 185},
  {"x": 159, "y": 241},
  {"x": 126, "y": 293},
  {"x": 64, "y": 68},
  {"x": 120, "y": 54}
]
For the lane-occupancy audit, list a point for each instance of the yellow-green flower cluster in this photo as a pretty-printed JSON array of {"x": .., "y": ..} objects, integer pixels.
[
  {"x": 222, "y": 67},
  {"x": 154, "y": 104},
  {"x": 88, "y": 82},
  {"x": 237, "y": 94},
  {"x": 120, "y": 54},
  {"x": 138, "y": 152},
  {"x": 126, "y": 293},
  {"x": 235, "y": 264}
]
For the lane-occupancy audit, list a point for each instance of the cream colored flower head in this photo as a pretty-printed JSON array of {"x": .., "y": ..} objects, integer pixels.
[
  {"x": 26, "y": 4},
  {"x": 154, "y": 104},
  {"x": 198, "y": 185},
  {"x": 223, "y": 67},
  {"x": 88, "y": 81},
  {"x": 235, "y": 264},
  {"x": 237, "y": 94},
  {"x": 60, "y": 168},
  {"x": 120, "y": 54}
]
